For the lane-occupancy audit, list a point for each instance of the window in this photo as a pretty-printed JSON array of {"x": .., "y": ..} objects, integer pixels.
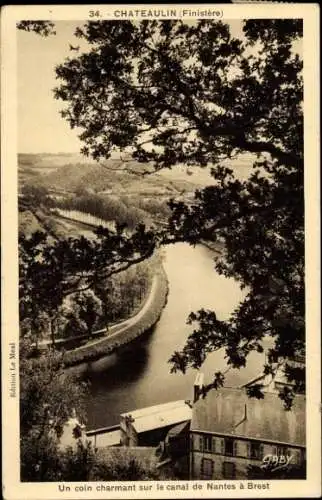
[
  {"x": 281, "y": 451},
  {"x": 229, "y": 470},
  {"x": 207, "y": 443},
  {"x": 229, "y": 447},
  {"x": 255, "y": 451},
  {"x": 297, "y": 456},
  {"x": 207, "y": 468}
]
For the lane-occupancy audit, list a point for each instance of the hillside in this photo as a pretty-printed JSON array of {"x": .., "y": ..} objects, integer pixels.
[
  {"x": 112, "y": 190},
  {"x": 108, "y": 190},
  {"x": 42, "y": 220},
  {"x": 73, "y": 172}
]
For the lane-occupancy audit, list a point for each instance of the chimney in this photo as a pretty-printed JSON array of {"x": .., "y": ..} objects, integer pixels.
[{"x": 198, "y": 386}]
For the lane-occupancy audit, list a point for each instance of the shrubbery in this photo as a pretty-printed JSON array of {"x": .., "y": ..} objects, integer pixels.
[{"x": 108, "y": 345}]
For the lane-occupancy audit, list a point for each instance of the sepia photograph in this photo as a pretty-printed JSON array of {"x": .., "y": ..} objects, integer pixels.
[{"x": 162, "y": 300}]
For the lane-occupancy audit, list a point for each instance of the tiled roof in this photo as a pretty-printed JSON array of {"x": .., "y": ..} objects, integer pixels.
[
  {"x": 223, "y": 412},
  {"x": 154, "y": 417}
]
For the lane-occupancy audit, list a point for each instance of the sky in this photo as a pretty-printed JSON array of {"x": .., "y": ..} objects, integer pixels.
[
  {"x": 41, "y": 129},
  {"x": 40, "y": 126}
]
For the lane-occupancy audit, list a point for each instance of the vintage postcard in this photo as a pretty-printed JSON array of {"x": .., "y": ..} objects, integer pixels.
[{"x": 160, "y": 251}]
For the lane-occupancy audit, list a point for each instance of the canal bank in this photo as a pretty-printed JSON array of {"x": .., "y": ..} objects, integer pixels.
[
  {"x": 139, "y": 375},
  {"x": 127, "y": 331}
]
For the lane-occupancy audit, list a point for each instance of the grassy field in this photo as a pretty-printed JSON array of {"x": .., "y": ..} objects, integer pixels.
[{"x": 41, "y": 220}]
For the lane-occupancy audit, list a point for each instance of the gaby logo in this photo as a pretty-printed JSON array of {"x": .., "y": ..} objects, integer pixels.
[{"x": 276, "y": 462}]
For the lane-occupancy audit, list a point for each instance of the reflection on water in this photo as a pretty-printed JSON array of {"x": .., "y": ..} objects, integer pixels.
[{"x": 139, "y": 375}]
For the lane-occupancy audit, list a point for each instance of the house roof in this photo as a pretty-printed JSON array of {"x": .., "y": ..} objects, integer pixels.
[
  {"x": 163, "y": 415},
  {"x": 269, "y": 380},
  {"x": 223, "y": 412},
  {"x": 178, "y": 429}
]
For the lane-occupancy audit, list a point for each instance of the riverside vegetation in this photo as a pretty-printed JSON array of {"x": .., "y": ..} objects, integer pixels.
[
  {"x": 108, "y": 345},
  {"x": 47, "y": 182}
]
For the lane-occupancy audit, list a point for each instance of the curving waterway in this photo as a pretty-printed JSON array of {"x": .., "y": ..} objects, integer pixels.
[{"x": 139, "y": 375}]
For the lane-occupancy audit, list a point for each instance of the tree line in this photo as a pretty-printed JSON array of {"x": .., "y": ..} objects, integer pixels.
[{"x": 107, "y": 208}]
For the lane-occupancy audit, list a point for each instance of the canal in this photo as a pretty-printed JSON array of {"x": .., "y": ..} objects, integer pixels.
[{"x": 140, "y": 376}]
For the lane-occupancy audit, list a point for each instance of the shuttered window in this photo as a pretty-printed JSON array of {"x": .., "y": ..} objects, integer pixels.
[
  {"x": 255, "y": 450},
  {"x": 207, "y": 443},
  {"x": 229, "y": 470},
  {"x": 207, "y": 468},
  {"x": 282, "y": 451}
]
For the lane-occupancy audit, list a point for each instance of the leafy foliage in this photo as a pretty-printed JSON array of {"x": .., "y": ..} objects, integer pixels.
[
  {"x": 87, "y": 464},
  {"x": 89, "y": 309},
  {"x": 34, "y": 196},
  {"x": 48, "y": 398},
  {"x": 77, "y": 464},
  {"x": 192, "y": 91},
  {"x": 43, "y": 28},
  {"x": 168, "y": 93},
  {"x": 110, "y": 343},
  {"x": 50, "y": 272},
  {"x": 122, "y": 464}
]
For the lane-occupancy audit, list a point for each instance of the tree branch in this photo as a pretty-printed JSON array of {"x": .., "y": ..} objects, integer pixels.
[{"x": 288, "y": 159}]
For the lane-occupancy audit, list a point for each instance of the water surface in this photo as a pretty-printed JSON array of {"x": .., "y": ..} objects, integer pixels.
[{"x": 140, "y": 375}]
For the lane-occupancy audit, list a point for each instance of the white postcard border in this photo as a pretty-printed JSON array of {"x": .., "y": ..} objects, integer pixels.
[{"x": 13, "y": 488}]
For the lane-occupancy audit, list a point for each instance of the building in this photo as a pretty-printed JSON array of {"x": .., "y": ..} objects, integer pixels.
[
  {"x": 277, "y": 381},
  {"x": 150, "y": 426},
  {"x": 104, "y": 437},
  {"x": 231, "y": 432},
  {"x": 223, "y": 434}
]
